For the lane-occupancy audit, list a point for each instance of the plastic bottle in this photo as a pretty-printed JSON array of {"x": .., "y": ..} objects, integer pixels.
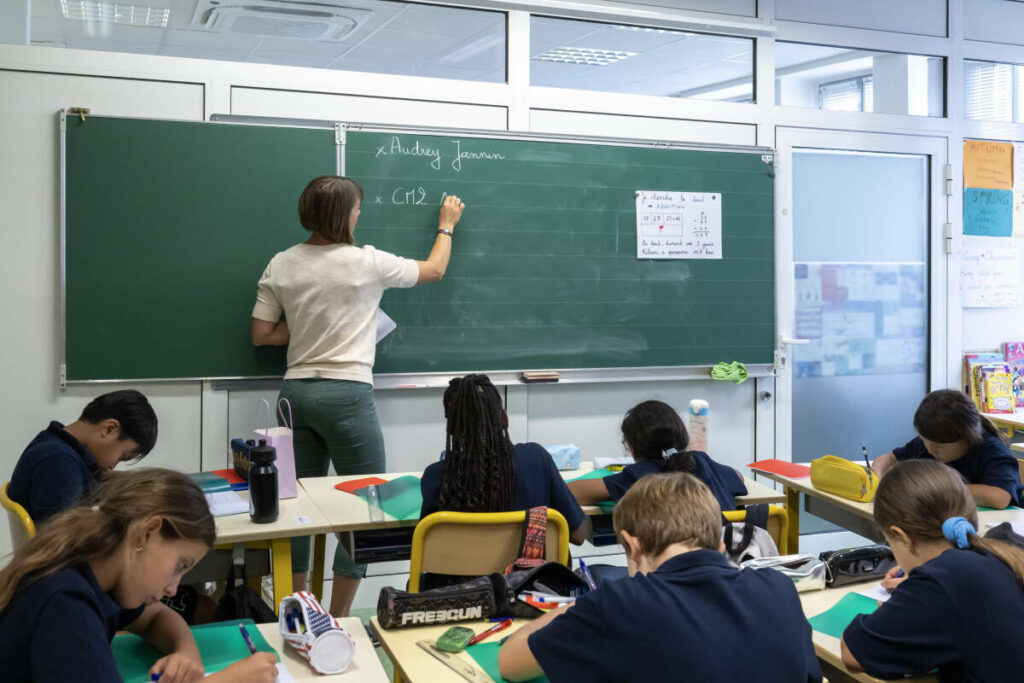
[
  {"x": 263, "y": 507},
  {"x": 698, "y": 427}
]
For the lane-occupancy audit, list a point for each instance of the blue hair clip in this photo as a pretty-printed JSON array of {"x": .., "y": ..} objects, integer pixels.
[{"x": 956, "y": 529}]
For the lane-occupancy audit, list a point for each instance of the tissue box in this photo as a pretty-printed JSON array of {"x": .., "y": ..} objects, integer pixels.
[{"x": 566, "y": 456}]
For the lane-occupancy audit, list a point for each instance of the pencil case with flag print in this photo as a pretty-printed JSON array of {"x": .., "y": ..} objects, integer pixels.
[{"x": 317, "y": 636}]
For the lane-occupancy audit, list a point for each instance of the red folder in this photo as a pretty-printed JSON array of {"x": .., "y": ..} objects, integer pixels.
[
  {"x": 782, "y": 468},
  {"x": 230, "y": 474},
  {"x": 353, "y": 484}
]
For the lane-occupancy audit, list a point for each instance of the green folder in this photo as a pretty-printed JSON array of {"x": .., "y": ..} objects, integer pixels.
[
  {"x": 486, "y": 657},
  {"x": 982, "y": 508},
  {"x": 210, "y": 482},
  {"x": 834, "y": 620},
  {"x": 401, "y": 497},
  {"x": 220, "y": 645}
]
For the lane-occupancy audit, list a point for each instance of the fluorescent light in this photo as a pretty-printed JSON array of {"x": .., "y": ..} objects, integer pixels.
[
  {"x": 115, "y": 13},
  {"x": 588, "y": 56},
  {"x": 648, "y": 29}
]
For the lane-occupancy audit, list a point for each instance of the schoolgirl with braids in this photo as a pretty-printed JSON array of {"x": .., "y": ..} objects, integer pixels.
[
  {"x": 960, "y": 608},
  {"x": 482, "y": 471},
  {"x": 655, "y": 435},
  {"x": 101, "y": 567},
  {"x": 951, "y": 430}
]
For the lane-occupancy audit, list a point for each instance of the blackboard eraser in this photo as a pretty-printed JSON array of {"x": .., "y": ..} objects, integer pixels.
[{"x": 533, "y": 376}]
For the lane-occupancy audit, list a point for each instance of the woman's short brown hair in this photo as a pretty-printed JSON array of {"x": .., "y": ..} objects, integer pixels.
[
  {"x": 662, "y": 509},
  {"x": 326, "y": 204}
]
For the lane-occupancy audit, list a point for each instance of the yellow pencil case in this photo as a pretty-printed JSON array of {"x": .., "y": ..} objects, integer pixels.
[{"x": 843, "y": 478}]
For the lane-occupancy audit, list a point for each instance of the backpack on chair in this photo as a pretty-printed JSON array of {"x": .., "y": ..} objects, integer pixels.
[{"x": 750, "y": 539}]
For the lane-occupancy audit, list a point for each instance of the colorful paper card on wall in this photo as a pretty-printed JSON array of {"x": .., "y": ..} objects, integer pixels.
[
  {"x": 988, "y": 165},
  {"x": 988, "y": 213}
]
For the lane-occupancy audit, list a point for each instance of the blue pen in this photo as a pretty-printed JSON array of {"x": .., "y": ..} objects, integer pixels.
[
  {"x": 248, "y": 640},
  {"x": 154, "y": 677},
  {"x": 586, "y": 575}
]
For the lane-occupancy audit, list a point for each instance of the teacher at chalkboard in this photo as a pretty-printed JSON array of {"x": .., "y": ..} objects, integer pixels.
[{"x": 328, "y": 290}]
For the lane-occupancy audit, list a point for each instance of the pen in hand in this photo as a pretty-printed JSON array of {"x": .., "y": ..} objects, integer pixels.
[{"x": 248, "y": 639}]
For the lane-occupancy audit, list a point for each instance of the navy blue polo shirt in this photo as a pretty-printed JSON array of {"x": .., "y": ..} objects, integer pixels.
[
  {"x": 59, "y": 629},
  {"x": 989, "y": 463},
  {"x": 962, "y": 612},
  {"x": 723, "y": 481},
  {"x": 694, "y": 619},
  {"x": 538, "y": 484},
  {"x": 53, "y": 473}
]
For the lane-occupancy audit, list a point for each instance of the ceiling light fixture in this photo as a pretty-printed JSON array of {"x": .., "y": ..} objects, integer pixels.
[
  {"x": 587, "y": 56},
  {"x": 115, "y": 13}
]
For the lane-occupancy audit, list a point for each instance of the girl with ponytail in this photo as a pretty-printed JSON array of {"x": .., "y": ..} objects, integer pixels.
[
  {"x": 655, "y": 435},
  {"x": 95, "y": 569},
  {"x": 961, "y": 607},
  {"x": 951, "y": 430},
  {"x": 482, "y": 471}
]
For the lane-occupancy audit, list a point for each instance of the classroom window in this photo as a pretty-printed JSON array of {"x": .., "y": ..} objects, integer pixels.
[
  {"x": 637, "y": 60},
  {"x": 848, "y": 79},
  {"x": 993, "y": 91},
  {"x": 378, "y": 36}
]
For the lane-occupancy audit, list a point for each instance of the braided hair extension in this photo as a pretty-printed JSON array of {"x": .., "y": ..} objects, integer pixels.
[{"x": 478, "y": 472}]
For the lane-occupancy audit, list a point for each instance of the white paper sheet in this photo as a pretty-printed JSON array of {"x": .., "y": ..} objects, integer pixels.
[
  {"x": 990, "y": 278},
  {"x": 617, "y": 460},
  {"x": 876, "y": 592},
  {"x": 224, "y": 503},
  {"x": 385, "y": 325},
  {"x": 678, "y": 225}
]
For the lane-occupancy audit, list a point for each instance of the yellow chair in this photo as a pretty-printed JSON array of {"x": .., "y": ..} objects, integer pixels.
[
  {"x": 778, "y": 524},
  {"x": 22, "y": 526},
  {"x": 478, "y": 543}
]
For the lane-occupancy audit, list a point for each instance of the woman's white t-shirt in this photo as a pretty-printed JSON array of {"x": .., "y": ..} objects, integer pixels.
[{"x": 329, "y": 295}]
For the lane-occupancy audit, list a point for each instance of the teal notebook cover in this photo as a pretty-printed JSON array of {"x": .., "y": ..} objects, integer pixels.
[
  {"x": 400, "y": 497},
  {"x": 220, "y": 645},
  {"x": 606, "y": 506},
  {"x": 210, "y": 482},
  {"x": 834, "y": 620},
  {"x": 486, "y": 657}
]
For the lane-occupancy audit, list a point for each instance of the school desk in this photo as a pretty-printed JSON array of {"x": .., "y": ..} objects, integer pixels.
[
  {"x": 1008, "y": 421},
  {"x": 414, "y": 665},
  {"x": 365, "y": 666},
  {"x": 297, "y": 516},
  {"x": 349, "y": 514},
  {"x": 850, "y": 514},
  {"x": 826, "y": 647}
]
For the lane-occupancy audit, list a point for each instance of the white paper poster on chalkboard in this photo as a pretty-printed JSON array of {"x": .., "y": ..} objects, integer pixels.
[
  {"x": 678, "y": 225},
  {"x": 989, "y": 278}
]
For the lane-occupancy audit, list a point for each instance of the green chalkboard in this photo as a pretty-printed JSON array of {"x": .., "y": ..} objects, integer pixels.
[
  {"x": 544, "y": 272},
  {"x": 170, "y": 224}
]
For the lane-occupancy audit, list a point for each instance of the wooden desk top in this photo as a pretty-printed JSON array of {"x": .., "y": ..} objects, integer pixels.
[
  {"x": 418, "y": 666},
  {"x": 826, "y": 647},
  {"x": 365, "y": 666},
  {"x": 291, "y": 521},
  {"x": 1014, "y": 420},
  {"x": 346, "y": 512},
  {"x": 803, "y": 484}
]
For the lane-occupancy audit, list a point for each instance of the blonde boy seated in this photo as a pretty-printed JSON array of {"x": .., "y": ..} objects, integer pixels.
[{"x": 683, "y": 614}]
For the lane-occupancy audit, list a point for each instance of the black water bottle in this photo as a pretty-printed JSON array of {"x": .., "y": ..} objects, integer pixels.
[{"x": 263, "y": 484}]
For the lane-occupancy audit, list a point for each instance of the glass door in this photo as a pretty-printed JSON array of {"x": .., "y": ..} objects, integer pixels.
[{"x": 862, "y": 293}]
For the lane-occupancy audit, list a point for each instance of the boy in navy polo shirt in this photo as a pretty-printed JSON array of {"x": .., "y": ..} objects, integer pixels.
[
  {"x": 684, "y": 613},
  {"x": 951, "y": 430},
  {"x": 62, "y": 464}
]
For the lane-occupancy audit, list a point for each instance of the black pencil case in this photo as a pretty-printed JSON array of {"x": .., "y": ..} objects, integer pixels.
[
  {"x": 853, "y": 565},
  {"x": 466, "y": 601}
]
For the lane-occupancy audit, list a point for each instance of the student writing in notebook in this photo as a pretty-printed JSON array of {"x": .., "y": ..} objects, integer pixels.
[
  {"x": 655, "y": 435},
  {"x": 960, "y": 608},
  {"x": 684, "y": 614},
  {"x": 63, "y": 463},
  {"x": 951, "y": 430},
  {"x": 101, "y": 567},
  {"x": 483, "y": 471}
]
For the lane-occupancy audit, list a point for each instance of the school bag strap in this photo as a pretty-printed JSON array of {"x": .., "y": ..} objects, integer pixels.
[{"x": 532, "y": 547}]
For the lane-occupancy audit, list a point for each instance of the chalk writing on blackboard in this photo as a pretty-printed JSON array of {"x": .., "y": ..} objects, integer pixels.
[
  {"x": 396, "y": 146},
  {"x": 678, "y": 225}
]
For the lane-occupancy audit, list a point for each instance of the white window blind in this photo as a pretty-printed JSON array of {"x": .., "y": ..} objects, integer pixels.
[
  {"x": 851, "y": 94},
  {"x": 990, "y": 93}
]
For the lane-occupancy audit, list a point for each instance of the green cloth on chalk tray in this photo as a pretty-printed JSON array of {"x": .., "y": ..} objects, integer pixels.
[
  {"x": 834, "y": 620},
  {"x": 401, "y": 497},
  {"x": 220, "y": 645},
  {"x": 732, "y": 372},
  {"x": 486, "y": 657}
]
